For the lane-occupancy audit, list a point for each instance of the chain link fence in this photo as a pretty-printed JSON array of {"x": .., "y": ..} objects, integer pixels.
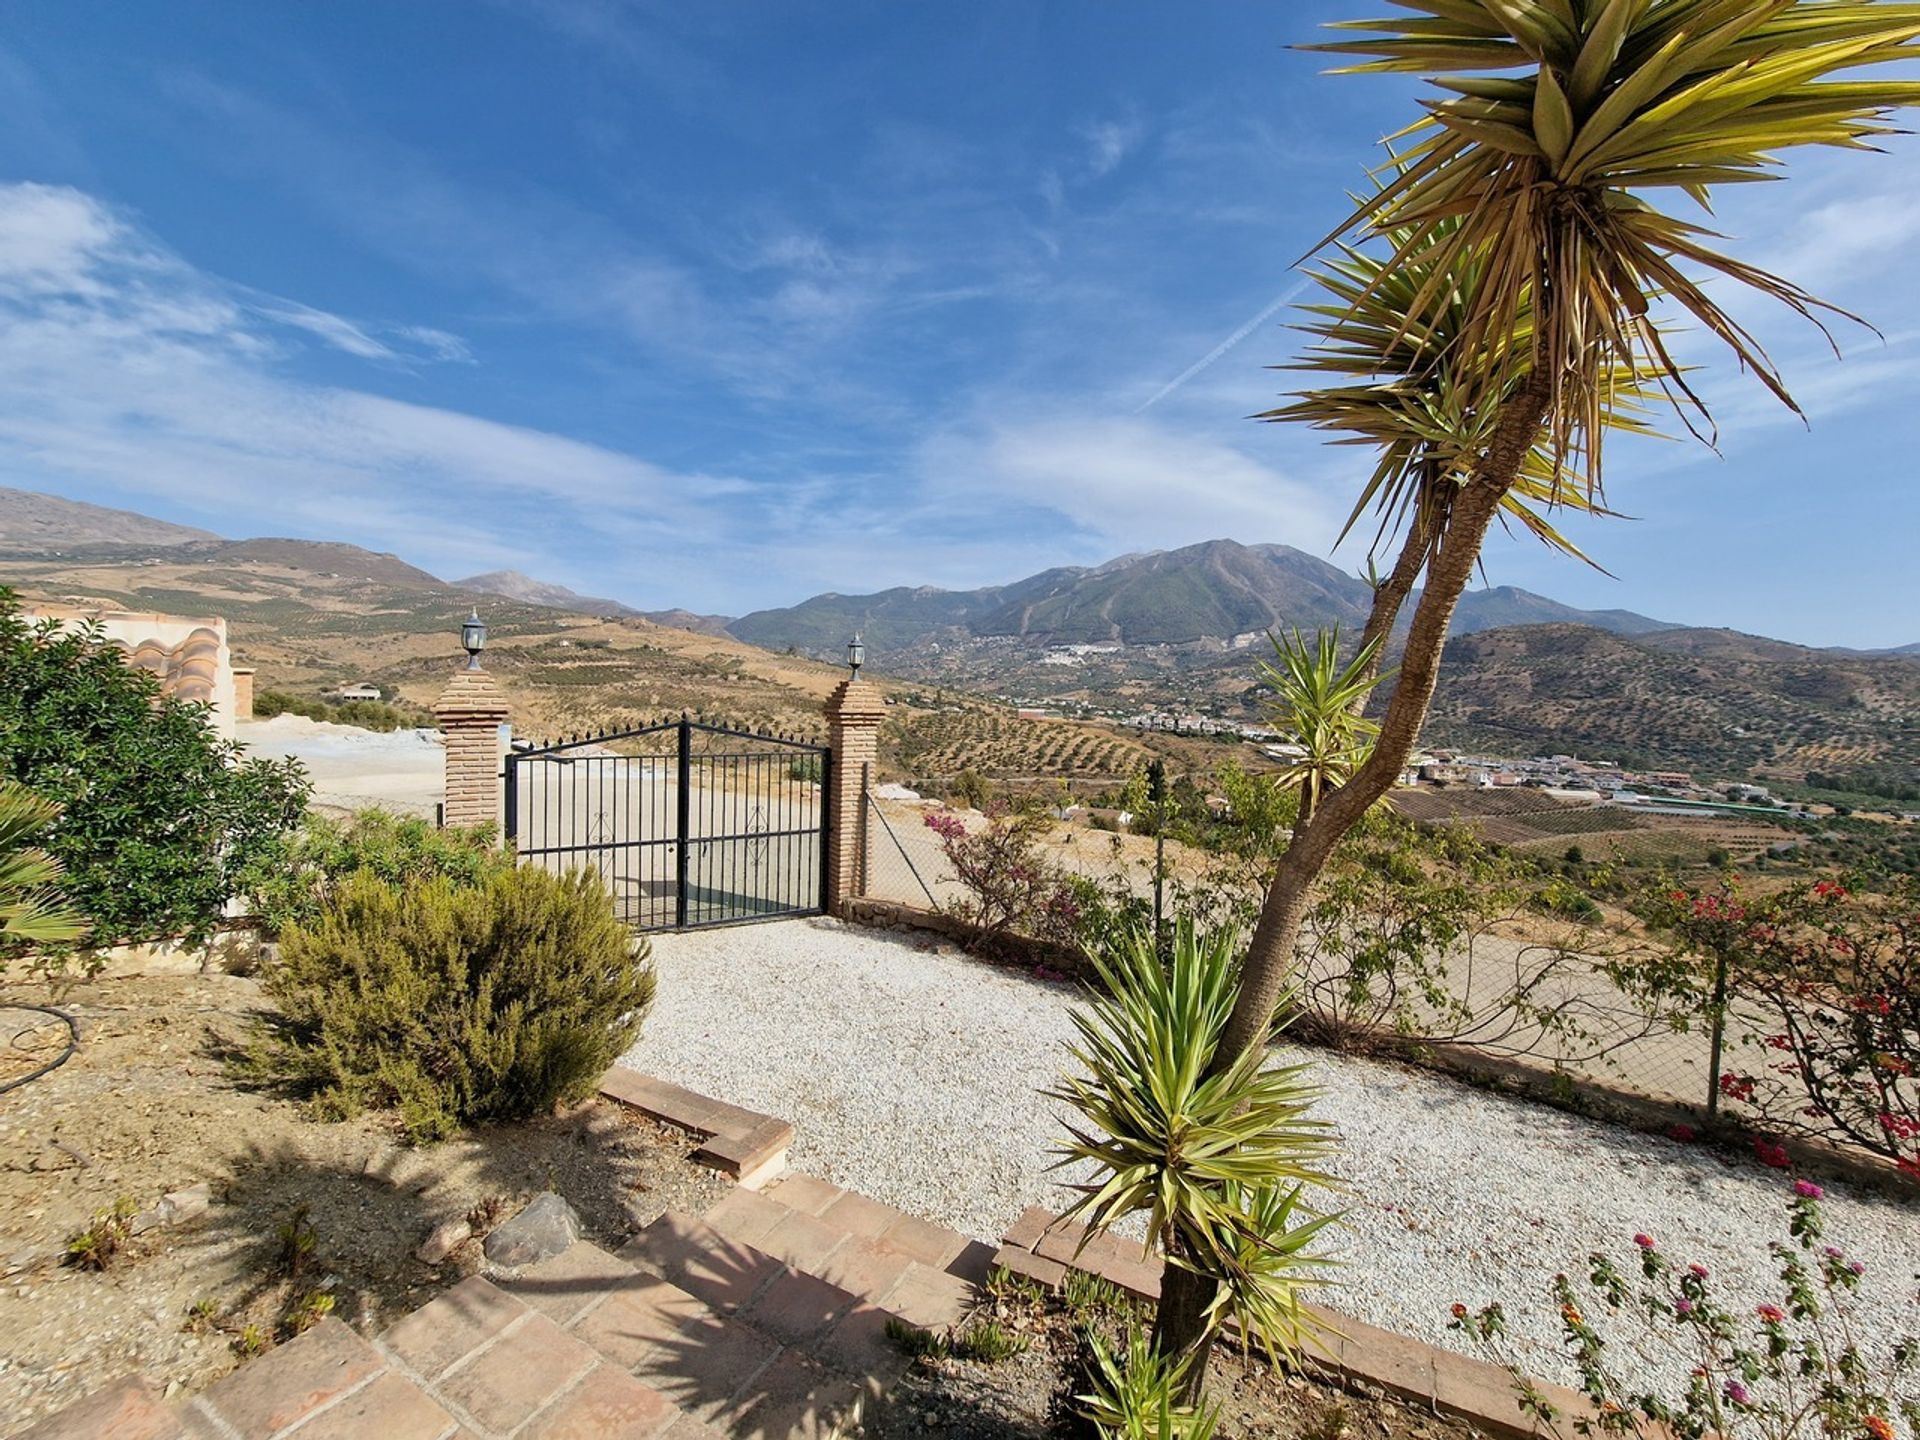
[{"x": 1504, "y": 992}]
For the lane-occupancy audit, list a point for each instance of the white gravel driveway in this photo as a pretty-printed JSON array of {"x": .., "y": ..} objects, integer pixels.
[{"x": 911, "y": 1073}]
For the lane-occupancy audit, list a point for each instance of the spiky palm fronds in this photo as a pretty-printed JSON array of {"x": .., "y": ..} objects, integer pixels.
[
  {"x": 1198, "y": 1154},
  {"x": 31, "y": 909},
  {"x": 1409, "y": 401},
  {"x": 1316, "y": 703},
  {"x": 1139, "y": 1395},
  {"x": 1535, "y": 189}
]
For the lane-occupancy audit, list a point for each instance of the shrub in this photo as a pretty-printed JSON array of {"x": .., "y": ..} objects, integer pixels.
[
  {"x": 292, "y": 883},
  {"x": 451, "y": 1005},
  {"x": 381, "y": 715},
  {"x": 1827, "y": 976},
  {"x": 1011, "y": 887},
  {"x": 1793, "y": 1369},
  {"x": 1138, "y": 1394},
  {"x": 160, "y": 817}
]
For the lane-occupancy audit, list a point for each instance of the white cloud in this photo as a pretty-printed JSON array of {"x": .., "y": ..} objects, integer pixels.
[
  {"x": 124, "y": 368},
  {"x": 1110, "y": 142},
  {"x": 1123, "y": 483}
]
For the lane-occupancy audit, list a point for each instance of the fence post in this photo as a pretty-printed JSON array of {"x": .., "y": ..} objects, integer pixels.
[
  {"x": 471, "y": 711},
  {"x": 1719, "y": 1035},
  {"x": 854, "y": 712}
]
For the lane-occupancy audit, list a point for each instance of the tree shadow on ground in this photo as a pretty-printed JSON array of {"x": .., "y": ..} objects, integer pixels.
[{"x": 367, "y": 1200}]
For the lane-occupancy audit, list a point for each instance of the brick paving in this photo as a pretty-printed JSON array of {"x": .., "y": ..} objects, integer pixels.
[{"x": 763, "y": 1320}]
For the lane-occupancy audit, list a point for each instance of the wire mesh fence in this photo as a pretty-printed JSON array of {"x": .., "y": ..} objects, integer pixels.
[{"x": 1504, "y": 991}]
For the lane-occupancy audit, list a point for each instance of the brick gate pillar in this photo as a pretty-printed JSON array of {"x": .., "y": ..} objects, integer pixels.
[
  {"x": 854, "y": 713},
  {"x": 471, "y": 711}
]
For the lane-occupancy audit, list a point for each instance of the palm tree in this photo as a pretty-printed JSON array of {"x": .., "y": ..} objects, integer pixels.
[
  {"x": 31, "y": 912},
  {"x": 1526, "y": 202},
  {"x": 1317, "y": 704}
]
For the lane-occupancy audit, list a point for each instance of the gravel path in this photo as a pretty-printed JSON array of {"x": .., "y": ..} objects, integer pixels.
[{"x": 911, "y": 1073}]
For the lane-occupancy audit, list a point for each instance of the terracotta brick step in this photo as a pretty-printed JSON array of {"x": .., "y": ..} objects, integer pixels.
[{"x": 922, "y": 1272}]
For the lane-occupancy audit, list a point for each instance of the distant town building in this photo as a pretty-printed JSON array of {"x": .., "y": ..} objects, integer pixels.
[{"x": 361, "y": 691}]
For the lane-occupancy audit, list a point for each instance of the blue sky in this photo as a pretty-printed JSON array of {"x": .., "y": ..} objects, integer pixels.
[{"x": 720, "y": 305}]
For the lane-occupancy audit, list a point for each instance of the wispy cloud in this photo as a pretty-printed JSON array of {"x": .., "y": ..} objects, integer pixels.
[
  {"x": 1110, "y": 142},
  {"x": 126, "y": 368}
]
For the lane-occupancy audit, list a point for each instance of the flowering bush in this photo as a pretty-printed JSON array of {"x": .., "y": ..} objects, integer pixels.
[
  {"x": 1828, "y": 978},
  {"x": 1011, "y": 887},
  {"x": 1792, "y": 1368}
]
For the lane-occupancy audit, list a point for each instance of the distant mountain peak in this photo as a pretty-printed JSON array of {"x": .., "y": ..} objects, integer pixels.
[
  {"x": 30, "y": 520},
  {"x": 513, "y": 585}
]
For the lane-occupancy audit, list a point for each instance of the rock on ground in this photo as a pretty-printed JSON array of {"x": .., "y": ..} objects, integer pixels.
[{"x": 542, "y": 1230}]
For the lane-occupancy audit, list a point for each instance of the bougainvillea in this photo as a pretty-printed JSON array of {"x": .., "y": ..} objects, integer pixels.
[
  {"x": 1793, "y": 1367},
  {"x": 1011, "y": 887},
  {"x": 1825, "y": 977}
]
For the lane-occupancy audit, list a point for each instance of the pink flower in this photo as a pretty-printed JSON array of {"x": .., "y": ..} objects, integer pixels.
[
  {"x": 1697, "y": 1270},
  {"x": 1807, "y": 1190},
  {"x": 1683, "y": 1306},
  {"x": 1771, "y": 1153},
  {"x": 1737, "y": 1393},
  {"x": 1645, "y": 1242},
  {"x": 1772, "y": 1314}
]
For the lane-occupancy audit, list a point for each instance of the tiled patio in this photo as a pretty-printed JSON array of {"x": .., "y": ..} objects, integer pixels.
[{"x": 763, "y": 1320}]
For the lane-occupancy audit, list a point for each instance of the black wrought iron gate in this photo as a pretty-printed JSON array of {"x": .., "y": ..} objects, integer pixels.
[{"x": 689, "y": 824}]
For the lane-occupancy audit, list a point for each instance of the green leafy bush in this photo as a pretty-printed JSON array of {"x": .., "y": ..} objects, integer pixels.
[
  {"x": 291, "y": 884},
  {"x": 453, "y": 1005},
  {"x": 381, "y": 715},
  {"x": 159, "y": 817}
]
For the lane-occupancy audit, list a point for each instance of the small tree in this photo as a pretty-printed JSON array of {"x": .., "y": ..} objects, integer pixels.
[
  {"x": 160, "y": 818},
  {"x": 1826, "y": 977},
  {"x": 1216, "y": 1159},
  {"x": 1011, "y": 887}
]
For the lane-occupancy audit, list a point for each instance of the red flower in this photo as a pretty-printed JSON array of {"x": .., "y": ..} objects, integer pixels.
[{"x": 1771, "y": 1153}]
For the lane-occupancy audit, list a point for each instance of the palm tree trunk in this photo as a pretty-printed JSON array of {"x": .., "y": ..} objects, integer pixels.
[
  {"x": 1392, "y": 593},
  {"x": 1180, "y": 1322},
  {"x": 1270, "y": 953},
  {"x": 1179, "y": 1325}
]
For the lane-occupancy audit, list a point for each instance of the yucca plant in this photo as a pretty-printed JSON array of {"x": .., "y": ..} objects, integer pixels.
[
  {"x": 32, "y": 911},
  {"x": 1317, "y": 703},
  {"x": 1525, "y": 201},
  {"x": 1140, "y": 1394},
  {"x": 1200, "y": 1150}
]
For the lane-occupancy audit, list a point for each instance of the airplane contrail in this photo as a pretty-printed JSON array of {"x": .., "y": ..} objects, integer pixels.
[{"x": 1286, "y": 297}]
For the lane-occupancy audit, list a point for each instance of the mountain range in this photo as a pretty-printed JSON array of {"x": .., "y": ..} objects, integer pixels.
[
  {"x": 1169, "y": 631},
  {"x": 1210, "y": 592}
]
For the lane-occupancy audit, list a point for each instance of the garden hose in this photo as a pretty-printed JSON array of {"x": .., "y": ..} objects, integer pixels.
[{"x": 73, "y": 1043}]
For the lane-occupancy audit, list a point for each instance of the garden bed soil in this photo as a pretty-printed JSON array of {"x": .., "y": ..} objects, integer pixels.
[
  {"x": 145, "y": 1108},
  {"x": 1031, "y": 1395}
]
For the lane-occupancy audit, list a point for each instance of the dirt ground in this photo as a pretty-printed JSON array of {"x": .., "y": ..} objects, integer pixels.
[
  {"x": 145, "y": 1109},
  {"x": 1031, "y": 1395}
]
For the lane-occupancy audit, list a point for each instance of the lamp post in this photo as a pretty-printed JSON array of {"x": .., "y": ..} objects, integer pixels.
[
  {"x": 856, "y": 656},
  {"x": 473, "y": 638}
]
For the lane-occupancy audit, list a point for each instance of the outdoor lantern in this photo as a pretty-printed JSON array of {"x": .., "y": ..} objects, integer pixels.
[
  {"x": 473, "y": 638},
  {"x": 856, "y": 655}
]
